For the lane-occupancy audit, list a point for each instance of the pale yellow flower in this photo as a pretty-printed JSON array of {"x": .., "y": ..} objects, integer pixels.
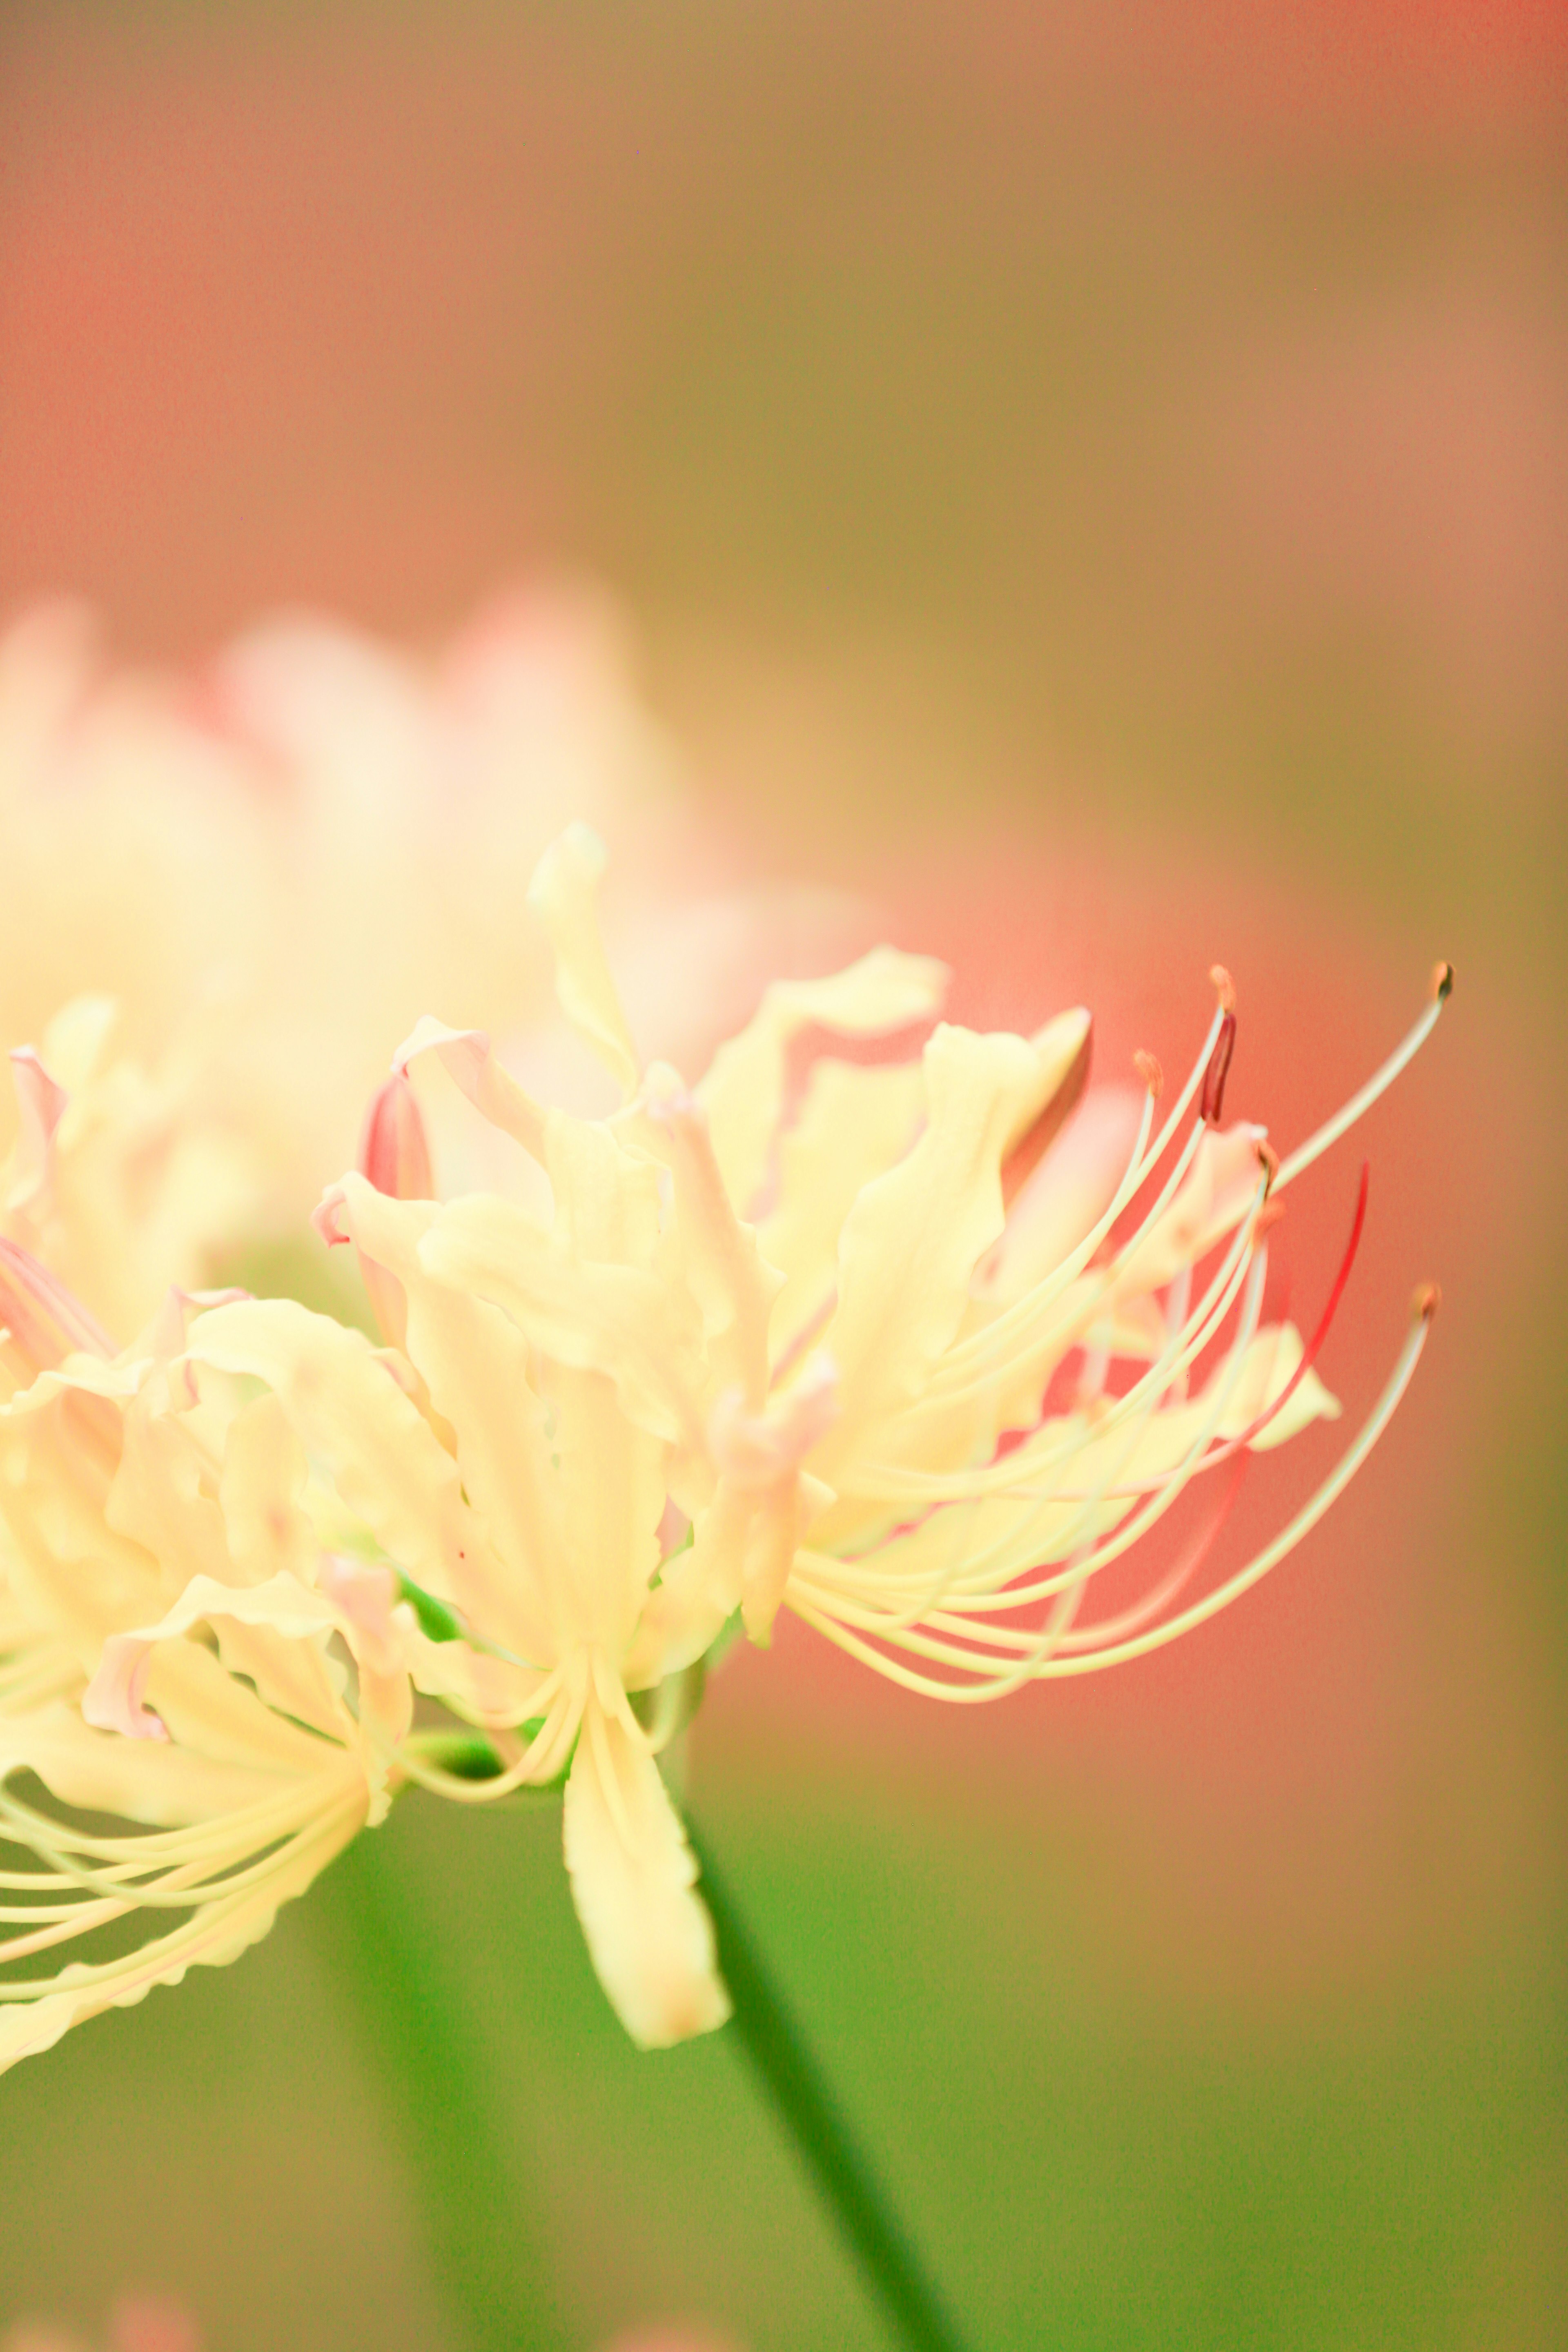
[
  {"x": 120, "y": 1181},
  {"x": 915, "y": 1349},
  {"x": 134, "y": 1510},
  {"x": 323, "y": 834}
]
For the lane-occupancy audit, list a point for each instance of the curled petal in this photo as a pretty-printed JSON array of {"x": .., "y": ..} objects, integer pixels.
[
  {"x": 470, "y": 1061},
  {"x": 112, "y": 1700},
  {"x": 743, "y": 1090}
]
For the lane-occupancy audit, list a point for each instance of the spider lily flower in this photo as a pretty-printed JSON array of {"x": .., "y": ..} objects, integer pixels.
[
  {"x": 179, "y": 1649},
  {"x": 118, "y": 1180},
  {"x": 915, "y": 1349},
  {"x": 812, "y": 1344},
  {"x": 962, "y": 1350}
]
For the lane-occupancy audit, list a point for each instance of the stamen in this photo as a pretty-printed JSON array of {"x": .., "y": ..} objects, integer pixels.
[
  {"x": 1211, "y": 1104},
  {"x": 1148, "y": 1069}
]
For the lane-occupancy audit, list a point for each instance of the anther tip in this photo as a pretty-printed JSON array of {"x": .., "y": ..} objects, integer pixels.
[
  {"x": 1148, "y": 1069},
  {"x": 1427, "y": 1301},
  {"x": 1442, "y": 982},
  {"x": 1225, "y": 987}
]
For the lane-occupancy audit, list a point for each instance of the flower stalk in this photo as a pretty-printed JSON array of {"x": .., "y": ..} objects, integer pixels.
[
  {"x": 822, "y": 2139},
  {"x": 388, "y": 1954}
]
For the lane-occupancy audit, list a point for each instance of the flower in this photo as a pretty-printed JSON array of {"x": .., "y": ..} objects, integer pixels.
[
  {"x": 133, "y": 1511},
  {"x": 120, "y": 1182},
  {"x": 915, "y": 1347},
  {"x": 317, "y": 820}
]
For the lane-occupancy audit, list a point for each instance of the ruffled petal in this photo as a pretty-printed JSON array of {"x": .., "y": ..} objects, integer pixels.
[
  {"x": 744, "y": 1088},
  {"x": 340, "y": 1397}
]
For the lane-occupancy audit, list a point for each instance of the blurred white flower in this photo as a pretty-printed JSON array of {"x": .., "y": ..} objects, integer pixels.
[{"x": 273, "y": 864}]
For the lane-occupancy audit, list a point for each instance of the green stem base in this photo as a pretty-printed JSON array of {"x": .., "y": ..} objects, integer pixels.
[{"x": 825, "y": 2145}]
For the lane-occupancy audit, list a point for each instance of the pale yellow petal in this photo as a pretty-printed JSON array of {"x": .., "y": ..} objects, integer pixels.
[
  {"x": 914, "y": 1236},
  {"x": 633, "y": 1880},
  {"x": 344, "y": 1404},
  {"x": 856, "y": 1123},
  {"x": 624, "y": 1320},
  {"x": 743, "y": 1090},
  {"x": 565, "y": 894}
]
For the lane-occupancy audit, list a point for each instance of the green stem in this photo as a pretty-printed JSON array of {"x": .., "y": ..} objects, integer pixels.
[
  {"x": 433, "y": 2067},
  {"x": 825, "y": 2145}
]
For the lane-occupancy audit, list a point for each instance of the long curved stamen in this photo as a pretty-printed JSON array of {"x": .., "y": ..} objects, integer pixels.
[
  {"x": 896, "y": 1484},
  {"x": 1172, "y": 1628},
  {"x": 1132, "y": 1529},
  {"x": 1378, "y": 1084}
]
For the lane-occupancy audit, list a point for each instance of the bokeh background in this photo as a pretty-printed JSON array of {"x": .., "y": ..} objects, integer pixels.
[{"x": 1094, "y": 482}]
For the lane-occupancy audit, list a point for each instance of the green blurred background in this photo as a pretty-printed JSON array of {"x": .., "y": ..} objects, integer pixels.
[{"x": 1096, "y": 480}]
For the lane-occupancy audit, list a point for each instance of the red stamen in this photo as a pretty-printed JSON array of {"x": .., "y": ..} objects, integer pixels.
[{"x": 1213, "y": 1100}]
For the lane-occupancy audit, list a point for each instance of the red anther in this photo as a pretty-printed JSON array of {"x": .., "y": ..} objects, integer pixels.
[
  {"x": 1211, "y": 1104},
  {"x": 1148, "y": 1069},
  {"x": 1427, "y": 1301},
  {"x": 1225, "y": 987},
  {"x": 394, "y": 1152},
  {"x": 1442, "y": 982}
]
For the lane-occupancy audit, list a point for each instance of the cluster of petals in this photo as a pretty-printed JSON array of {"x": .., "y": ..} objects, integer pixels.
[
  {"x": 315, "y": 819},
  {"x": 916, "y": 1344}
]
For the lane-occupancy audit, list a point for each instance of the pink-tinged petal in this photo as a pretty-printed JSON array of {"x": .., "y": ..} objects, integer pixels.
[
  {"x": 1218, "y": 1189},
  {"x": 563, "y": 893},
  {"x": 1065, "y": 1047},
  {"x": 395, "y": 1149},
  {"x": 327, "y": 1217},
  {"x": 469, "y": 1060},
  {"x": 44, "y": 1322},
  {"x": 366, "y": 1595},
  {"x": 395, "y": 1159},
  {"x": 112, "y": 1700},
  {"x": 633, "y": 1878},
  {"x": 1069, "y": 1190},
  {"x": 754, "y": 1451},
  {"x": 41, "y": 1104}
]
